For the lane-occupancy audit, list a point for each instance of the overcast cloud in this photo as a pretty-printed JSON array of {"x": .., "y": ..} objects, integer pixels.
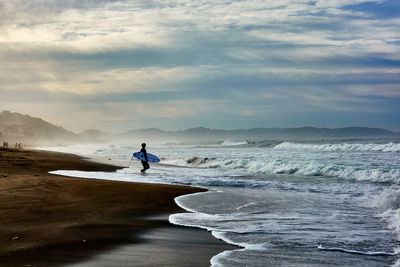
[{"x": 119, "y": 65}]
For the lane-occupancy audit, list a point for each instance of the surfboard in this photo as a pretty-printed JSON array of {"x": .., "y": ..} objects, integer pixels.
[{"x": 150, "y": 157}]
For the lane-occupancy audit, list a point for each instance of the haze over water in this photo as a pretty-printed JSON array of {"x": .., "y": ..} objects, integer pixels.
[{"x": 304, "y": 203}]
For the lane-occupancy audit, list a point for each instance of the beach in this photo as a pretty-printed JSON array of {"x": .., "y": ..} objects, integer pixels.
[
  {"x": 281, "y": 203},
  {"x": 50, "y": 220}
]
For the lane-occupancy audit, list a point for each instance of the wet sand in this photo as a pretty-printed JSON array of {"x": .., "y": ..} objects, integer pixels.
[{"x": 50, "y": 220}]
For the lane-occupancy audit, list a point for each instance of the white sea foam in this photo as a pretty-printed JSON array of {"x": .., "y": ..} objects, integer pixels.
[
  {"x": 194, "y": 218},
  {"x": 388, "y": 202},
  {"x": 218, "y": 259},
  {"x": 298, "y": 167},
  {"x": 178, "y": 201},
  {"x": 245, "y": 245},
  {"x": 352, "y": 251},
  {"x": 389, "y": 199},
  {"x": 233, "y": 143},
  {"x": 387, "y": 147}
]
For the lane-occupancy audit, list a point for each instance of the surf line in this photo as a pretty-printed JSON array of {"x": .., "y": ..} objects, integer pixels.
[{"x": 368, "y": 253}]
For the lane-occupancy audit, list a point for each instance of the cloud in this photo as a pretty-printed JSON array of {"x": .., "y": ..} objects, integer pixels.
[{"x": 249, "y": 59}]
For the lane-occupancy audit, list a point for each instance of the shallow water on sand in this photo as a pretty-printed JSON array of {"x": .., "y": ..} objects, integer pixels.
[{"x": 282, "y": 203}]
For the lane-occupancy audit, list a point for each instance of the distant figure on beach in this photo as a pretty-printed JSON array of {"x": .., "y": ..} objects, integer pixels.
[{"x": 145, "y": 163}]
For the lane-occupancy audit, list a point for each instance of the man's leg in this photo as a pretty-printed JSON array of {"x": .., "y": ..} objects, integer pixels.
[{"x": 144, "y": 163}]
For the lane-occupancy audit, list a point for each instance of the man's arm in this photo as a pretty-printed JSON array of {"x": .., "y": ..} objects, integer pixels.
[{"x": 145, "y": 154}]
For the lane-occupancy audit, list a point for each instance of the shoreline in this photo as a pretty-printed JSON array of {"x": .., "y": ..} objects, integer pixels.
[{"x": 55, "y": 220}]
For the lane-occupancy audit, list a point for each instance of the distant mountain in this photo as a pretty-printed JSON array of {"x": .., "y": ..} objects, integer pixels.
[
  {"x": 312, "y": 133},
  {"x": 15, "y": 127},
  {"x": 202, "y": 134},
  {"x": 18, "y": 128},
  {"x": 93, "y": 135}
]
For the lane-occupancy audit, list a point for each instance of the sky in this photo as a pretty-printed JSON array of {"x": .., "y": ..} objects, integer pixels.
[{"x": 121, "y": 65}]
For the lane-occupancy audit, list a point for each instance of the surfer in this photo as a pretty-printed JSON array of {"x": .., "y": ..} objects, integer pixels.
[
  {"x": 145, "y": 163},
  {"x": 145, "y": 158}
]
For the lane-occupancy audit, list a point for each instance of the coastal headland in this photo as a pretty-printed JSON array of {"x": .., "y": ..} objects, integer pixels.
[{"x": 50, "y": 220}]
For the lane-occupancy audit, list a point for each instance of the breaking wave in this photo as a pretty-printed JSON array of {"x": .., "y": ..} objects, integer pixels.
[
  {"x": 234, "y": 143},
  {"x": 305, "y": 168},
  {"x": 387, "y": 147},
  {"x": 388, "y": 203}
]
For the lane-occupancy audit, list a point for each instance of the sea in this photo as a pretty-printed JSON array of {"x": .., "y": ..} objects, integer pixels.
[{"x": 281, "y": 203}]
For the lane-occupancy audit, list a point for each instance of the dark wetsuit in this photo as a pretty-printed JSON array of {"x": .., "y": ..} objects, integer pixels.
[{"x": 145, "y": 164}]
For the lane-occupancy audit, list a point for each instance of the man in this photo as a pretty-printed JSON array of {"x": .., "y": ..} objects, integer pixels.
[{"x": 145, "y": 164}]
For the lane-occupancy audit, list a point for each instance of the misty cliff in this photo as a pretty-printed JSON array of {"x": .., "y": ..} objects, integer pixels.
[{"x": 19, "y": 128}]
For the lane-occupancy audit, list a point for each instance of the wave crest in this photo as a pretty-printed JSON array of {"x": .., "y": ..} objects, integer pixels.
[
  {"x": 196, "y": 161},
  {"x": 387, "y": 147},
  {"x": 388, "y": 202},
  {"x": 309, "y": 168},
  {"x": 234, "y": 143}
]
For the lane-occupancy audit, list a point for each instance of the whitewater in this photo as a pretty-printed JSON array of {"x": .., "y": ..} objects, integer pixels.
[{"x": 281, "y": 203}]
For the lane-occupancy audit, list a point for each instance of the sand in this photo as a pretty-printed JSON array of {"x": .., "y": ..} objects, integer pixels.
[{"x": 50, "y": 220}]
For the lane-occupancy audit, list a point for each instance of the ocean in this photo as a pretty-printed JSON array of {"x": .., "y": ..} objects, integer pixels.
[{"x": 281, "y": 203}]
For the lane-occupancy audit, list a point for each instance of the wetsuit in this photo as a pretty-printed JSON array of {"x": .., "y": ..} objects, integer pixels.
[{"x": 145, "y": 164}]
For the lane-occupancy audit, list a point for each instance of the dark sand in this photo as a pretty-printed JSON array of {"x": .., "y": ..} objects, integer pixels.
[{"x": 50, "y": 220}]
